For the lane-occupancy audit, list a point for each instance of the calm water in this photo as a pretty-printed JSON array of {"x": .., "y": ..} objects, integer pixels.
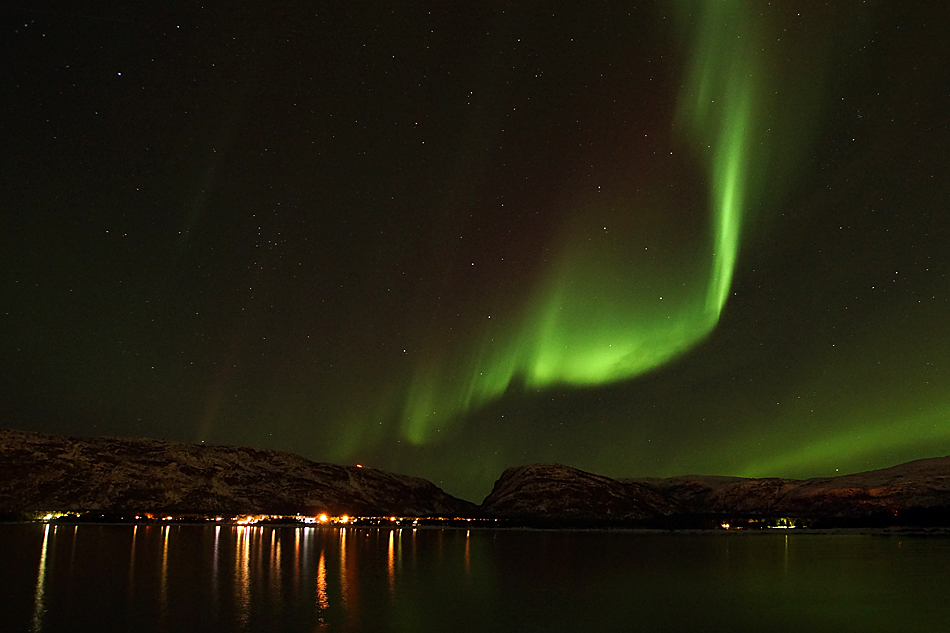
[{"x": 197, "y": 578}]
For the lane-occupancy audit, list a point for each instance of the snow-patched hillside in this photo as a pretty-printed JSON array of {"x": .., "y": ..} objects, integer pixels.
[
  {"x": 51, "y": 472},
  {"x": 917, "y": 492}
]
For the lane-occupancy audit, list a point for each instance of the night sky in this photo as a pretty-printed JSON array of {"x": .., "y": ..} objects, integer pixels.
[{"x": 637, "y": 238}]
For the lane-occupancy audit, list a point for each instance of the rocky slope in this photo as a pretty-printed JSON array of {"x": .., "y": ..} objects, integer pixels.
[
  {"x": 114, "y": 475},
  {"x": 918, "y": 492},
  {"x": 553, "y": 491},
  {"x": 920, "y": 485}
]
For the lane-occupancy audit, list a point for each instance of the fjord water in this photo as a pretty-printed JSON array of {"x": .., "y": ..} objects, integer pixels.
[{"x": 230, "y": 578}]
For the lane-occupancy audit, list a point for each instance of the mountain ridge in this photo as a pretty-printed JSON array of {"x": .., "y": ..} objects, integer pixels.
[
  {"x": 53, "y": 472},
  {"x": 40, "y": 471}
]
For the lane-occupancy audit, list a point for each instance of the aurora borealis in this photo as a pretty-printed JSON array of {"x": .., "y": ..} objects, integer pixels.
[{"x": 638, "y": 239}]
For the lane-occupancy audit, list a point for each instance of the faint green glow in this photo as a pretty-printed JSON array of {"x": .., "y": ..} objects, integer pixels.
[
  {"x": 606, "y": 311},
  {"x": 864, "y": 444}
]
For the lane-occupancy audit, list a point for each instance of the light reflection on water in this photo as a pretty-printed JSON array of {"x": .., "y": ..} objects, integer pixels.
[
  {"x": 242, "y": 573},
  {"x": 468, "y": 552},
  {"x": 391, "y": 563},
  {"x": 253, "y": 578},
  {"x": 215, "y": 566},
  {"x": 131, "y": 578},
  {"x": 344, "y": 586},
  {"x": 163, "y": 599},
  {"x": 39, "y": 607},
  {"x": 323, "y": 600}
]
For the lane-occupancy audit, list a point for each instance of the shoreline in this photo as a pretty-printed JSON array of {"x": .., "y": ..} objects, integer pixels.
[{"x": 935, "y": 531}]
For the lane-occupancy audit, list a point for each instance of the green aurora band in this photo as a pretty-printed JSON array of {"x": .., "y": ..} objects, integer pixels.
[{"x": 604, "y": 313}]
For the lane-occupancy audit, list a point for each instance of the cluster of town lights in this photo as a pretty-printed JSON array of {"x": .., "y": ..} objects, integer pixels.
[
  {"x": 783, "y": 523},
  {"x": 320, "y": 519},
  {"x": 323, "y": 518}
]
